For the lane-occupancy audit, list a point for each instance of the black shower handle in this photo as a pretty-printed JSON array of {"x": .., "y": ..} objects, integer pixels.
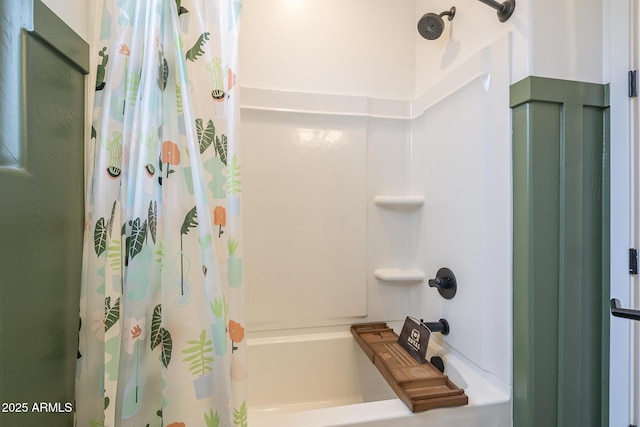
[
  {"x": 445, "y": 283},
  {"x": 625, "y": 313},
  {"x": 441, "y": 282}
]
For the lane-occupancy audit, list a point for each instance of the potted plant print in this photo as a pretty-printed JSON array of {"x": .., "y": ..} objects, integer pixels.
[
  {"x": 217, "y": 79},
  {"x": 212, "y": 419},
  {"x": 218, "y": 328},
  {"x": 220, "y": 218},
  {"x": 200, "y": 364},
  {"x": 236, "y": 333},
  {"x": 190, "y": 222},
  {"x": 206, "y": 134},
  {"x": 214, "y": 165},
  {"x": 133, "y": 391},
  {"x": 233, "y": 187},
  {"x": 160, "y": 337},
  {"x": 234, "y": 265},
  {"x": 170, "y": 157},
  {"x": 240, "y": 415}
]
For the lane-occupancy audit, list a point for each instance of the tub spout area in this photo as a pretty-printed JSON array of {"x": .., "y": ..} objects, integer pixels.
[{"x": 441, "y": 326}]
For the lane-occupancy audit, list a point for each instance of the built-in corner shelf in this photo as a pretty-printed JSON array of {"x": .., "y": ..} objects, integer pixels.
[
  {"x": 398, "y": 275},
  {"x": 399, "y": 202},
  {"x": 407, "y": 204}
]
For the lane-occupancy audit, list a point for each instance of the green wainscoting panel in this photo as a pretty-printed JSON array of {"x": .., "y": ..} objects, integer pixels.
[
  {"x": 560, "y": 253},
  {"x": 42, "y": 98}
]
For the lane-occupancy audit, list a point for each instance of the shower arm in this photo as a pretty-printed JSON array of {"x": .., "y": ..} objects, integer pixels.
[
  {"x": 449, "y": 13},
  {"x": 505, "y": 9}
]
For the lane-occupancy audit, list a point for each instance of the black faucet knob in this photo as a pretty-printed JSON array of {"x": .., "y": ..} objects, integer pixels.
[
  {"x": 441, "y": 282},
  {"x": 445, "y": 282}
]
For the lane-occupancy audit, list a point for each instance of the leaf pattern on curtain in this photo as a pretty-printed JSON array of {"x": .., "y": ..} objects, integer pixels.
[{"x": 162, "y": 309}]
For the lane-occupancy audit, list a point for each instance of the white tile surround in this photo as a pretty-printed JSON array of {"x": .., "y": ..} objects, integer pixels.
[{"x": 314, "y": 165}]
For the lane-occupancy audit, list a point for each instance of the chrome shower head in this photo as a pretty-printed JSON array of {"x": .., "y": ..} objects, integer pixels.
[{"x": 431, "y": 25}]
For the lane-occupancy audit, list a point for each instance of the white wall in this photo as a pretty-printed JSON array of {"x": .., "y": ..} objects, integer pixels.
[
  {"x": 356, "y": 47},
  {"x": 567, "y": 39},
  {"x": 553, "y": 39},
  {"x": 474, "y": 26}
]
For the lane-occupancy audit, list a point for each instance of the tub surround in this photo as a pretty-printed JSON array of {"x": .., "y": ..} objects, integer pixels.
[{"x": 371, "y": 195}]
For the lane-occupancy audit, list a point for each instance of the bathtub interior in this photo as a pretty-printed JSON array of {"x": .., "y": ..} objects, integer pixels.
[
  {"x": 325, "y": 379},
  {"x": 311, "y": 371}
]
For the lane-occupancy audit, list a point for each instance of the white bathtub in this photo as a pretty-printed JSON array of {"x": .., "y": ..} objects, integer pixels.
[{"x": 323, "y": 379}]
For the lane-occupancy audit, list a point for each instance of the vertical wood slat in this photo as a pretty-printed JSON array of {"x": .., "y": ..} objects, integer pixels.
[{"x": 560, "y": 173}]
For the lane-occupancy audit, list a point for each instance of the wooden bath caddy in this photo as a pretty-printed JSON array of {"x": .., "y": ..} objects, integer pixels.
[{"x": 419, "y": 386}]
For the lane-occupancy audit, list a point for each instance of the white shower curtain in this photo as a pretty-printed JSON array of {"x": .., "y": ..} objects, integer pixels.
[{"x": 161, "y": 332}]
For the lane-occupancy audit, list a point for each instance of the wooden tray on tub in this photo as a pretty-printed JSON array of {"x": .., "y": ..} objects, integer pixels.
[{"x": 419, "y": 386}]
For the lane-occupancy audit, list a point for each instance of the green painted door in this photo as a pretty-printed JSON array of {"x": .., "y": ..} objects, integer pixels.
[{"x": 41, "y": 228}]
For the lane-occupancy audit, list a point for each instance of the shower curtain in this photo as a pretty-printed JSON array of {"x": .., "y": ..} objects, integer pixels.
[{"x": 161, "y": 339}]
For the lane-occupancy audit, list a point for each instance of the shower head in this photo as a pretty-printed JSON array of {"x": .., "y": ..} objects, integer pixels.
[{"x": 431, "y": 25}]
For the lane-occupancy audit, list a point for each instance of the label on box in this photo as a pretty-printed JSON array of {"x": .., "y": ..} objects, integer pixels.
[{"x": 414, "y": 338}]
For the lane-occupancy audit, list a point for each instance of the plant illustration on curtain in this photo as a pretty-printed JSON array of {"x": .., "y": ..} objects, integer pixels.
[{"x": 161, "y": 332}]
